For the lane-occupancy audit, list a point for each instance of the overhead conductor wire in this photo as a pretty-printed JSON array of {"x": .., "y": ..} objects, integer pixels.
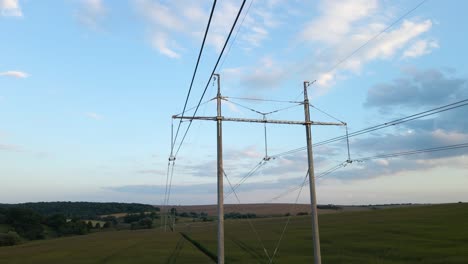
[
  {"x": 196, "y": 67},
  {"x": 212, "y": 73}
]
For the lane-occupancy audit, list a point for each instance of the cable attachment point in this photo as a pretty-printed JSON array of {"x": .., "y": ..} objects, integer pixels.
[{"x": 172, "y": 158}]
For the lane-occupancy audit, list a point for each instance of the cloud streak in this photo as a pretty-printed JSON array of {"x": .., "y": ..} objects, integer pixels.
[
  {"x": 10, "y": 8},
  {"x": 417, "y": 88},
  {"x": 340, "y": 29},
  {"x": 10, "y": 148},
  {"x": 176, "y": 24},
  {"x": 94, "y": 116},
  {"x": 91, "y": 13},
  {"x": 15, "y": 74}
]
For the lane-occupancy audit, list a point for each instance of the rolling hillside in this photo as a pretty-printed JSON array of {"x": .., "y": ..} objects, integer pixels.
[{"x": 424, "y": 234}]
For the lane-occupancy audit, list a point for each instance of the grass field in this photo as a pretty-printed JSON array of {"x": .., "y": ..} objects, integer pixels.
[{"x": 426, "y": 234}]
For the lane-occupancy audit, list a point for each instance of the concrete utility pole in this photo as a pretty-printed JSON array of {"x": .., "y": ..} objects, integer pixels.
[
  {"x": 220, "y": 173},
  {"x": 313, "y": 197}
]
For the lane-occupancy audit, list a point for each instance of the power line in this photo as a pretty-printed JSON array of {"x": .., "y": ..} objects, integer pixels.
[
  {"x": 305, "y": 182},
  {"x": 168, "y": 190},
  {"x": 212, "y": 73},
  {"x": 413, "y": 152},
  {"x": 381, "y": 156},
  {"x": 259, "y": 112},
  {"x": 233, "y": 190},
  {"x": 288, "y": 221},
  {"x": 248, "y": 175},
  {"x": 412, "y": 117},
  {"x": 263, "y": 100},
  {"x": 243, "y": 106},
  {"x": 187, "y": 110},
  {"x": 327, "y": 114},
  {"x": 235, "y": 36},
  {"x": 196, "y": 67},
  {"x": 405, "y": 119}
]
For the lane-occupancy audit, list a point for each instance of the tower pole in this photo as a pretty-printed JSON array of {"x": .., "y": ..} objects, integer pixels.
[
  {"x": 313, "y": 197},
  {"x": 220, "y": 176}
]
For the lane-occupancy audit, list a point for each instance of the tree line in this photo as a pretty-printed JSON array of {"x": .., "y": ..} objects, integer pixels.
[
  {"x": 83, "y": 210},
  {"x": 33, "y": 221}
]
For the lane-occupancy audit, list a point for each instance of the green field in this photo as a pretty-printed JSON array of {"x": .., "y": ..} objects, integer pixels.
[{"x": 423, "y": 234}]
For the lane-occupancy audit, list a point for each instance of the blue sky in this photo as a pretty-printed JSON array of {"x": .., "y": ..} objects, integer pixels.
[{"x": 88, "y": 88}]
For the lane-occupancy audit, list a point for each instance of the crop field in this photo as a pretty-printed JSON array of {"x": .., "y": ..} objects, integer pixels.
[{"x": 423, "y": 234}]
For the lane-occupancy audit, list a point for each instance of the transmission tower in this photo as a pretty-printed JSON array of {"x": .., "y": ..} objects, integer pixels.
[{"x": 220, "y": 170}]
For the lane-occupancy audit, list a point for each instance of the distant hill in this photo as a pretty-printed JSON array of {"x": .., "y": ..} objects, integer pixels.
[
  {"x": 84, "y": 210},
  {"x": 275, "y": 209}
]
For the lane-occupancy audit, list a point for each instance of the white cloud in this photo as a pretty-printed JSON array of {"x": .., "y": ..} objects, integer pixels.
[
  {"x": 450, "y": 137},
  {"x": 256, "y": 36},
  {"x": 385, "y": 47},
  {"x": 15, "y": 74},
  {"x": 389, "y": 43},
  {"x": 325, "y": 79},
  {"x": 160, "y": 42},
  {"x": 344, "y": 26},
  {"x": 232, "y": 71},
  {"x": 10, "y": 8},
  {"x": 94, "y": 116},
  {"x": 179, "y": 21},
  {"x": 419, "y": 48},
  {"x": 336, "y": 20},
  {"x": 160, "y": 14},
  {"x": 268, "y": 74},
  {"x": 160, "y": 172},
  {"x": 91, "y": 12},
  {"x": 10, "y": 147}
]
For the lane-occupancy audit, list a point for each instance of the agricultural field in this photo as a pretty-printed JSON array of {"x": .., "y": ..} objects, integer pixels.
[{"x": 422, "y": 234}]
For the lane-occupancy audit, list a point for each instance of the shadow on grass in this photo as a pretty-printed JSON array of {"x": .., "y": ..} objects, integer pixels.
[
  {"x": 202, "y": 248},
  {"x": 249, "y": 250},
  {"x": 175, "y": 254}
]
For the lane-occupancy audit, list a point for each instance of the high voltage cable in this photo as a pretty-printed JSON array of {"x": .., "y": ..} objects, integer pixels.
[
  {"x": 248, "y": 219},
  {"x": 207, "y": 101},
  {"x": 235, "y": 36},
  {"x": 287, "y": 222},
  {"x": 282, "y": 109},
  {"x": 168, "y": 187},
  {"x": 165, "y": 192},
  {"x": 248, "y": 175},
  {"x": 196, "y": 67},
  {"x": 325, "y": 113},
  {"x": 243, "y": 106},
  {"x": 259, "y": 112},
  {"x": 413, "y": 152},
  {"x": 374, "y": 37},
  {"x": 263, "y": 100},
  {"x": 304, "y": 182},
  {"x": 405, "y": 119},
  {"x": 381, "y": 156},
  {"x": 211, "y": 75},
  {"x": 170, "y": 174},
  {"x": 383, "y": 125}
]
